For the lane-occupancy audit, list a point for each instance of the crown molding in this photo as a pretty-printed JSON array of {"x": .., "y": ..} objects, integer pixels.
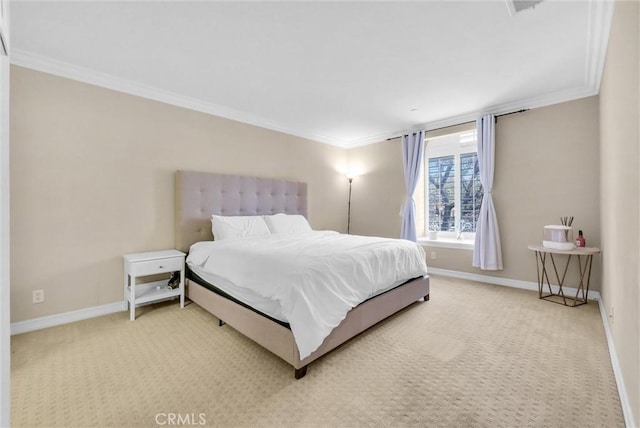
[
  {"x": 600, "y": 18},
  {"x": 529, "y": 103},
  {"x": 67, "y": 70}
]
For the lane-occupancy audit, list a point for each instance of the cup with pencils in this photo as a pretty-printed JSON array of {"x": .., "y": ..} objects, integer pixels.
[{"x": 567, "y": 221}]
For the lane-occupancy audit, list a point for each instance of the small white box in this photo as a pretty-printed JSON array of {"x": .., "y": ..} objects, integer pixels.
[{"x": 558, "y": 237}]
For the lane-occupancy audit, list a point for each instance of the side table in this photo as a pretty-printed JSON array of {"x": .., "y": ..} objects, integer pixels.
[
  {"x": 584, "y": 257},
  {"x": 151, "y": 263}
]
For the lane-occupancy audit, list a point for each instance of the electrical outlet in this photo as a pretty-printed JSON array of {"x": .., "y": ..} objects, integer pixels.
[
  {"x": 38, "y": 296},
  {"x": 611, "y": 314},
  {"x": 433, "y": 255}
]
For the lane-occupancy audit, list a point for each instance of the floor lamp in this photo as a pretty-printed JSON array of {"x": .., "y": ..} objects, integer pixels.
[{"x": 350, "y": 177}]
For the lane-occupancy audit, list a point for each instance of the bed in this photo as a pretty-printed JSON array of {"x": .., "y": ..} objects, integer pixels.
[{"x": 201, "y": 194}]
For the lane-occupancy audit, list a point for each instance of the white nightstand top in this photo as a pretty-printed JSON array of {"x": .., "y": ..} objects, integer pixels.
[{"x": 152, "y": 255}]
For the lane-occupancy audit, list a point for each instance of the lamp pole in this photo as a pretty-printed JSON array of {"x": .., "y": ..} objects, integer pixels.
[{"x": 349, "y": 207}]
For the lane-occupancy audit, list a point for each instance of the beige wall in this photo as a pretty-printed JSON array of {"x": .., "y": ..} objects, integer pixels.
[
  {"x": 5, "y": 231},
  {"x": 546, "y": 167},
  {"x": 620, "y": 183},
  {"x": 92, "y": 175},
  {"x": 378, "y": 193}
]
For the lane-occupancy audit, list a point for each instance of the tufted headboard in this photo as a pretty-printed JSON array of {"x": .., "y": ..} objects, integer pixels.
[{"x": 201, "y": 194}]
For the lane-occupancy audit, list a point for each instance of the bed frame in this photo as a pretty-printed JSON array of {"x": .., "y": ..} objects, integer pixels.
[{"x": 201, "y": 194}]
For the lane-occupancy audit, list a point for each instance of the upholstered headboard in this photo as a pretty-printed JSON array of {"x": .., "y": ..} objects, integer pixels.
[{"x": 201, "y": 194}]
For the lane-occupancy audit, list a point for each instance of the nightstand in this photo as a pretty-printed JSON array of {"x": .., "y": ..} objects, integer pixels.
[{"x": 151, "y": 263}]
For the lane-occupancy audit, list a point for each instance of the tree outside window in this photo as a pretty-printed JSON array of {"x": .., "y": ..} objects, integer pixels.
[{"x": 454, "y": 191}]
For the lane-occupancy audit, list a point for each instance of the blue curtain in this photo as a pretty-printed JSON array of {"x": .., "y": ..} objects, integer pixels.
[
  {"x": 487, "y": 251},
  {"x": 412, "y": 149}
]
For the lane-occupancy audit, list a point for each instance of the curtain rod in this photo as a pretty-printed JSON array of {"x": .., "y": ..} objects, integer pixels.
[{"x": 464, "y": 123}]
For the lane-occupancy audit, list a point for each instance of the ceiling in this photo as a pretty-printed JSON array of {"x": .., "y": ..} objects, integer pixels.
[{"x": 343, "y": 73}]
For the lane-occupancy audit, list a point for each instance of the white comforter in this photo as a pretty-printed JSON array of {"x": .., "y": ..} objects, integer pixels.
[{"x": 316, "y": 277}]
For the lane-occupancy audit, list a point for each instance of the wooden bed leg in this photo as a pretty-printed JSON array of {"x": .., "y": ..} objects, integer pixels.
[
  {"x": 426, "y": 298},
  {"x": 221, "y": 323},
  {"x": 300, "y": 373}
]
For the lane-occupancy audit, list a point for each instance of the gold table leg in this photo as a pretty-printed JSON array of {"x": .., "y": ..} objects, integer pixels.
[{"x": 541, "y": 269}]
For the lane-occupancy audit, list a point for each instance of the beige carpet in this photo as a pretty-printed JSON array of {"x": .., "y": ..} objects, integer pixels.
[{"x": 476, "y": 355}]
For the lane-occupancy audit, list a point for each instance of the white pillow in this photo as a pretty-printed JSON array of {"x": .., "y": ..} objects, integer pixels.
[
  {"x": 234, "y": 227},
  {"x": 287, "y": 223}
]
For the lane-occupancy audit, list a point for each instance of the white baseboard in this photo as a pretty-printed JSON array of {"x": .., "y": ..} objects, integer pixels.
[
  {"x": 66, "y": 317},
  {"x": 622, "y": 390},
  {"x": 592, "y": 295},
  {"x": 515, "y": 283}
]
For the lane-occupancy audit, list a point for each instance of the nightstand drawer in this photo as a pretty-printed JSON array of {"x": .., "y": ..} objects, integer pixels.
[{"x": 151, "y": 267}]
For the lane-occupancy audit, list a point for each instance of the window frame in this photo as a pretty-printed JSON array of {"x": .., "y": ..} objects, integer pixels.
[{"x": 456, "y": 150}]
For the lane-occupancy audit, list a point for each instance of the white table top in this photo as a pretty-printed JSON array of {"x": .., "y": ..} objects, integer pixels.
[
  {"x": 152, "y": 255},
  {"x": 578, "y": 251}
]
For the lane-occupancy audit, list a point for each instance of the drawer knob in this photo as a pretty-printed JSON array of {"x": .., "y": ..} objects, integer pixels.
[{"x": 161, "y": 267}]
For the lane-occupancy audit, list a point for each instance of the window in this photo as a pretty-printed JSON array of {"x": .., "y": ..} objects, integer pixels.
[{"x": 452, "y": 184}]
